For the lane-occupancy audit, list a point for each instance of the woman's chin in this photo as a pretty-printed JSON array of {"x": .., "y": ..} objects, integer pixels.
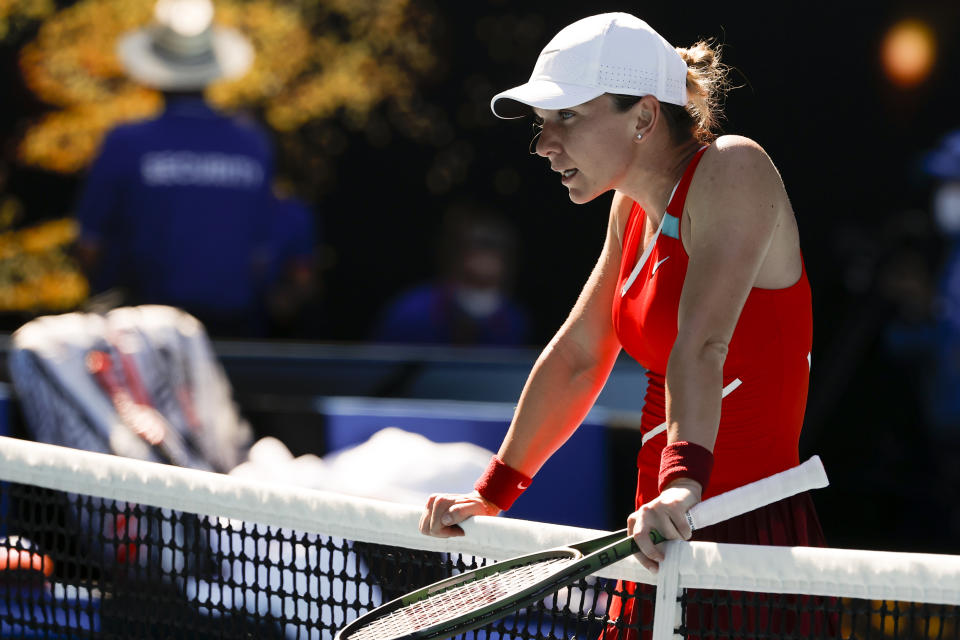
[{"x": 581, "y": 197}]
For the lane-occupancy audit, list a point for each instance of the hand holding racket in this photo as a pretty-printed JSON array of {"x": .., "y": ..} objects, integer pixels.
[
  {"x": 666, "y": 517},
  {"x": 472, "y": 599}
]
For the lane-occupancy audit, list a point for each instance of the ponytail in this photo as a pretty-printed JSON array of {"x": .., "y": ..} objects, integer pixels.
[{"x": 707, "y": 87}]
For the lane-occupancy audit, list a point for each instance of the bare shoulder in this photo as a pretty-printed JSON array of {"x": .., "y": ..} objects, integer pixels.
[
  {"x": 733, "y": 154},
  {"x": 619, "y": 213},
  {"x": 621, "y": 205},
  {"x": 620, "y": 200},
  {"x": 737, "y": 167}
]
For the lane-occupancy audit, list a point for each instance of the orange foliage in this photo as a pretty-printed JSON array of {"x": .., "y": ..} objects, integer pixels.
[{"x": 303, "y": 71}]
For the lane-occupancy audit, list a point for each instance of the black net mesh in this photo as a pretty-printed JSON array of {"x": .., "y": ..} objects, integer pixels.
[
  {"x": 78, "y": 566},
  {"x": 98, "y": 568},
  {"x": 715, "y": 615}
]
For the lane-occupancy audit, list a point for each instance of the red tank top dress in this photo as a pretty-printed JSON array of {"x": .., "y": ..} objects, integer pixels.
[{"x": 765, "y": 378}]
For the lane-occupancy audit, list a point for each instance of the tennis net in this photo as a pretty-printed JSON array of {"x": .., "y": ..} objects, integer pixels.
[{"x": 108, "y": 547}]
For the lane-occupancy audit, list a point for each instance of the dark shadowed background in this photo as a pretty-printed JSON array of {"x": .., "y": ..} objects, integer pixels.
[{"x": 812, "y": 91}]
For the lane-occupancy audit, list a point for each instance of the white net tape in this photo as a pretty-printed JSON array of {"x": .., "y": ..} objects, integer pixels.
[{"x": 829, "y": 572}]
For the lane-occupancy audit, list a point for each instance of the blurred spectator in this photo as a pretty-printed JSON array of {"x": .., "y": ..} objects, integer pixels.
[
  {"x": 292, "y": 274},
  {"x": 177, "y": 210},
  {"x": 930, "y": 337},
  {"x": 944, "y": 165},
  {"x": 470, "y": 302}
]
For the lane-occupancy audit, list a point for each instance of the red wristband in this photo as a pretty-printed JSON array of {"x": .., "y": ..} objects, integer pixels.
[
  {"x": 501, "y": 484},
  {"x": 685, "y": 460}
]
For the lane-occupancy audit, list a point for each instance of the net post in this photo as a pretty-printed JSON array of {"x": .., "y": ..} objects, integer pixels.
[{"x": 665, "y": 617}]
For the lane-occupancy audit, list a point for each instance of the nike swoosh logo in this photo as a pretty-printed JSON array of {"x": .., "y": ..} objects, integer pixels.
[
  {"x": 522, "y": 486},
  {"x": 657, "y": 265}
]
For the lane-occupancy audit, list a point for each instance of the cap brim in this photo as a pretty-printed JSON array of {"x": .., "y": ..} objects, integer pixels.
[
  {"x": 232, "y": 57},
  {"x": 542, "y": 94}
]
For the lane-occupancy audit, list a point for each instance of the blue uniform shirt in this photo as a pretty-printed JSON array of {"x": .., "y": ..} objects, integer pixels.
[{"x": 180, "y": 207}]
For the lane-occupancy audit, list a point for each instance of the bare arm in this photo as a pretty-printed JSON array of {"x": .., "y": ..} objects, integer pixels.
[
  {"x": 734, "y": 219},
  {"x": 561, "y": 388},
  {"x": 571, "y": 371},
  {"x": 735, "y": 206}
]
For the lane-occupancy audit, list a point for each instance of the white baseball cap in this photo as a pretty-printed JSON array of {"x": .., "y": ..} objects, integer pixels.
[{"x": 605, "y": 53}]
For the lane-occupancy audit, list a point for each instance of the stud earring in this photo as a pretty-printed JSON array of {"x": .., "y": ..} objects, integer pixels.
[{"x": 639, "y": 136}]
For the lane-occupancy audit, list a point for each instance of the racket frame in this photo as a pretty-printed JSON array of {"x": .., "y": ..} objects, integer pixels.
[
  {"x": 593, "y": 554},
  {"x": 589, "y": 557}
]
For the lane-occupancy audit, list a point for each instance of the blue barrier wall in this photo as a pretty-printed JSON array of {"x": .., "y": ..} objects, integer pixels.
[{"x": 571, "y": 488}]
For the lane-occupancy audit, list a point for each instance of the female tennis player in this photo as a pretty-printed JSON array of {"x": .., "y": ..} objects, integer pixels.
[{"x": 701, "y": 280}]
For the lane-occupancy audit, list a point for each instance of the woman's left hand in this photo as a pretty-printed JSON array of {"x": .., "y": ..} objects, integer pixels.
[{"x": 667, "y": 514}]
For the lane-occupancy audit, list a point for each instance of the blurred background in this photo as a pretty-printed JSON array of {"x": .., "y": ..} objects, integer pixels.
[{"x": 377, "y": 114}]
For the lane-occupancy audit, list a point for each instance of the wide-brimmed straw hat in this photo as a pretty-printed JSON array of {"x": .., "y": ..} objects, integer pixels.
[{"x": 182, "y": 50}]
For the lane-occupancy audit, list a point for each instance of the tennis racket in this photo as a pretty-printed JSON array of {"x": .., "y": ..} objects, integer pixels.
[
  {"x": 472, "y": 599},
  {"x": 135, "y": 413}
]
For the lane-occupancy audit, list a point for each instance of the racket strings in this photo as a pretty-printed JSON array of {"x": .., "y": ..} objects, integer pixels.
[{"x": 459, "y": 601}]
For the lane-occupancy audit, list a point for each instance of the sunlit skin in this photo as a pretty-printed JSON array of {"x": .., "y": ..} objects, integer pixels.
[
  {"x": 592, "y": 140},
  {"x": 739, "y": 232},
  {"x": 601, "y": 143}
]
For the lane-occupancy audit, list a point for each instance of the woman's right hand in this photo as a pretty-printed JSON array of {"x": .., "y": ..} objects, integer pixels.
[{"x": 444, "y": 512}]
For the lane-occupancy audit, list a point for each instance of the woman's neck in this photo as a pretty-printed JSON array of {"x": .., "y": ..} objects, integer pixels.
[{"x": 657, "y": 173}]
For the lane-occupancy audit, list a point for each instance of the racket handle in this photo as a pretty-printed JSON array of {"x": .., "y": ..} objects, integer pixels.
[{"x": 803, "y": 477}]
